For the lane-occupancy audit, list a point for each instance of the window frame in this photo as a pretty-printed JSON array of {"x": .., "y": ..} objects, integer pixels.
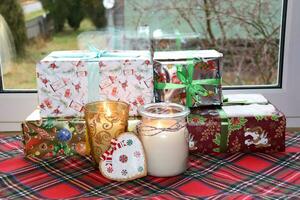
[{"x": 18, "y": 104}]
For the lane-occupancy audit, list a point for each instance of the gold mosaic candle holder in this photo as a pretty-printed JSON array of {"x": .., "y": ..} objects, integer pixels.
[{"x": 105, "y": 120}]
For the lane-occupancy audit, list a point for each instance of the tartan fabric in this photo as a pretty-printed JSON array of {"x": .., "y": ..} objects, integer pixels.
[{"x": 215, "y": 176}]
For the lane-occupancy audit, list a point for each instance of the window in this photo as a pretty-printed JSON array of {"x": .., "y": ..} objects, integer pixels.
[
  {"x": 246, "y": 31},
  {"x": 250, "y": 33}
]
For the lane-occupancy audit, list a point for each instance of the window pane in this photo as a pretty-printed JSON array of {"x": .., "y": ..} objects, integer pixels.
[
  {"x": 42, "y": 38},
  {"x": 247, "y": 32}
]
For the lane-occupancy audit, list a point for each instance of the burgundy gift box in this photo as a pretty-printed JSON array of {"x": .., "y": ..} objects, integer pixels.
[{"x": 253, "y": 127}]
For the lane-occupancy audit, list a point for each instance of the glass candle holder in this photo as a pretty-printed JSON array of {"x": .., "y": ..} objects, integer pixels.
[
  {"x": 164, "y": 136},
  {"x": 105, "y": 120}
]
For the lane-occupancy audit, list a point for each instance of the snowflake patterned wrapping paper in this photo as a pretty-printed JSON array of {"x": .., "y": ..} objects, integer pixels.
[
  {"x": 254, "y": 127},
  {"x": 191, "y": 78},
  {"x": 67, "y": 80},
  {"x": 50, "y": 137}
]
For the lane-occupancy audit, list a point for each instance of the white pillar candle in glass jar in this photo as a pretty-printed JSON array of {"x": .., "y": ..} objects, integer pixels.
[{"x": 164, "y": 135}]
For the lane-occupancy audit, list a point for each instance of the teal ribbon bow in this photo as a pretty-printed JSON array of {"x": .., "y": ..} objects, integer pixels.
[
  {"x": 104, "y": 53},
  {"x": 193, "y": 87}
]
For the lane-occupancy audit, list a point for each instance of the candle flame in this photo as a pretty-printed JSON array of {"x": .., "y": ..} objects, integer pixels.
[{"x": 107, "y": 108}]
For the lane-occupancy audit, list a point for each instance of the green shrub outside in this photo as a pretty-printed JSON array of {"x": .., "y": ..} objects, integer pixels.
[
  {"x": 58, "y": 11},
  {"x": 13, "y": 14},
  {"x": 95, "y": 11},
  {"x": 74, "y": 12}
]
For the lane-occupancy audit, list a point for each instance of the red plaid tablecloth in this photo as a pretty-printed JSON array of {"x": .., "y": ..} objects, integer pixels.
[{"x": 235, "y": 176}]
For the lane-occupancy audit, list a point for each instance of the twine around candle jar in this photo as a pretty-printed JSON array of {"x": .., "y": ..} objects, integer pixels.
[{"x": 144, "y": 129}]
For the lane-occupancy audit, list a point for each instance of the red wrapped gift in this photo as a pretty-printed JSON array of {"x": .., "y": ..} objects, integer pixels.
[{"x": 252, "y": 126}]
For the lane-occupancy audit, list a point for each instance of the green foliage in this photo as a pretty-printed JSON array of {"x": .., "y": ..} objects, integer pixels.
[
  {"x": 13, "y": 14},
  {"x": 259, "y": 118},
  {"x": 95, "y": 11},
  {"x": 76, "y": 13},
  {"x": 236, "y": 123},
  {"x": 48, "y": 123},
  {"x": 58, "y": 10},
  {"x": 275, "y": 117}
]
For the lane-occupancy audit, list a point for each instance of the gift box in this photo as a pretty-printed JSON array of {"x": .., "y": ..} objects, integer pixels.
[
  {"x": 50, "y": 137},
  {"x": 191, "y": 78},
  {"x": 238, "y": 126},
  {"x": 67, "y": 80}
]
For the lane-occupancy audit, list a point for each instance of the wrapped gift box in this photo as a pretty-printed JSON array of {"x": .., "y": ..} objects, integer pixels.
[
  {"x": 251, "y": 126},
  {"x": 67, "y": 80},
  {"x": 192, "y": 78},
  {"x": 49, "y": 137}
]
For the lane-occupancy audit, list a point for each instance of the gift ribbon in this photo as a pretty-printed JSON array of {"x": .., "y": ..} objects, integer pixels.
[
  {"x": 61, "y": 146},
  {"x": 192, "y": 87},
  {"x": 103, "y": 53},
  {"x": 97, "y": 54},
  {"x": 224, "y": 130},
  {"x": 94, "y": 72},
  {"x": 93, "y": 78},
  {"x": 107, "y": 155}
]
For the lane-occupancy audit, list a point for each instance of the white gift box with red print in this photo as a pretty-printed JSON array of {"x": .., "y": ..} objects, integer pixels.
[{"x": 67, "y": 80}]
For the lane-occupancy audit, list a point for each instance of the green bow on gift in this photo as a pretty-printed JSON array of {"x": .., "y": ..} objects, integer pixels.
[
  {"x": 61, "y": 146},
  {"x": 192, "y": 87}
]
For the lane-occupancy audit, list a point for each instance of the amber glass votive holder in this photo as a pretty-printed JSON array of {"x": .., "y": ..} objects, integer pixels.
[{"x": 105, "y": 121}]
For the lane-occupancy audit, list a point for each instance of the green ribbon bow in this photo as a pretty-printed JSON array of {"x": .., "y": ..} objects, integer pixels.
[
  {"x": 193, "y": 87},
  {"x": 62, "y": 146}
]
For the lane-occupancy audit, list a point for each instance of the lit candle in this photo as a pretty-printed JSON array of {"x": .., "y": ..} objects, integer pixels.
[
  {"x": 165, "y": 143},
  {"x": 105, "y": 120}
]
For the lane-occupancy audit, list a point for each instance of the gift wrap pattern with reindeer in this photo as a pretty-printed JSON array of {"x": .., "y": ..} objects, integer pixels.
[
  {"x": 51, "y": 137},
  {"x": 207, "y": 65},
  {"x": 67, "y": 80},
  {"x": 251, "y": 128}
]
